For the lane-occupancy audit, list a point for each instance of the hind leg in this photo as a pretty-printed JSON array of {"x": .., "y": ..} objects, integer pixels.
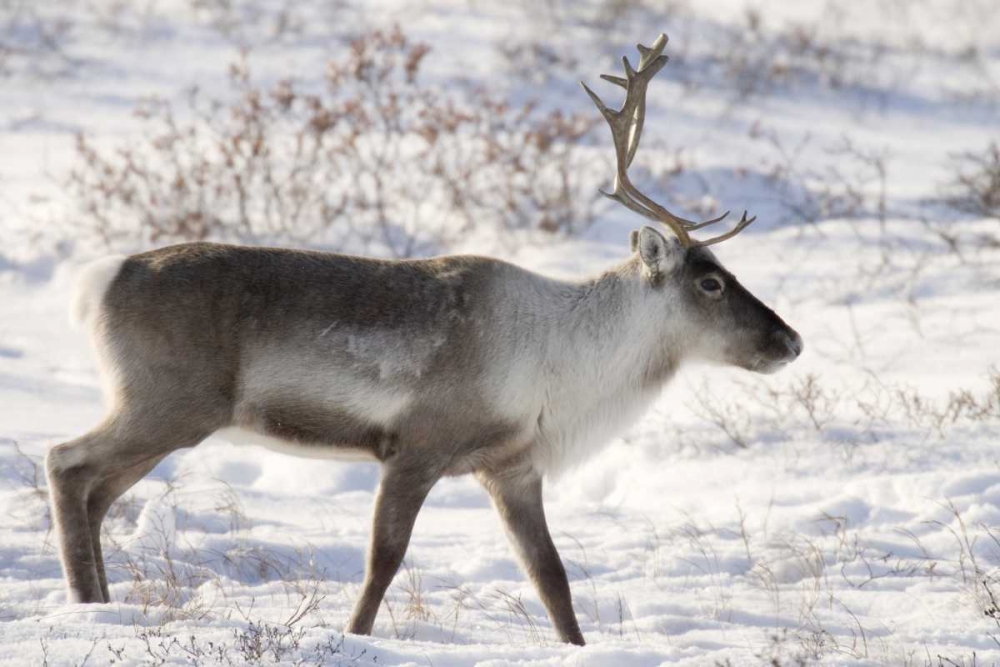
[
  {"x": 101, "y": 498},
  {"x": 69, "y": 484},
  {"x": 87, "y": 474}
]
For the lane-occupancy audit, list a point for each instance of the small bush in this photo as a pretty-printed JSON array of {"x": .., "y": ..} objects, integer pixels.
[
  {"x": 975, "y": 188},
  {"x": 375, "y": 161},
  {"x": 34, "y": 39}
]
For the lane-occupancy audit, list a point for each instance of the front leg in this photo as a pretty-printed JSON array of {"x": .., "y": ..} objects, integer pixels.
[
  {"x": 401, "y": 493},
  {"x": 517, "y": 496}
]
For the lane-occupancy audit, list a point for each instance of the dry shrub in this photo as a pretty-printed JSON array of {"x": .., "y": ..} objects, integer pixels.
[
  {"x": 255, "y": 21},
  {"x": 34, "y": 39},
  {"x": 799, "y": 401},
  {"x": 729, "y": 417},
  {"x": 372, "y": 161},
  {"x": 962, "y": 406},
  {"x": 757, "y": 60},
  {"x": 32, "y": 507},
  {"x": 851, "y": 181},
  {"x": 757, "y": 409},
  {"x": 258, "y": 643},
  {"x": 882, "y": 406},
  {"x": 534, "y": 60},
  {"x": 975, "y": 188}
]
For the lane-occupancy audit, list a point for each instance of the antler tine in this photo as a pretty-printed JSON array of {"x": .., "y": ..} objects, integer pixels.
[
  {"x": 647, "y": 57},
  {"x": 740, "y": 226},
  {"x": 691, "y": 225},
  {"x": 630, "y": 204},
  {"x": 649, "y": 53}
]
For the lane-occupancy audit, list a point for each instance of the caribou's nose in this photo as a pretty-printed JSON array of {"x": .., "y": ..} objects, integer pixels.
[{"x": 792, "y": 341}]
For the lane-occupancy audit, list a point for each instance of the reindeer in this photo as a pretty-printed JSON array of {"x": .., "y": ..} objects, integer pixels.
[{"x": 448, "y": 366}]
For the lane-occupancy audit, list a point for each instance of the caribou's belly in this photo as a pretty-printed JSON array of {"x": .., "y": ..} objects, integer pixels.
[{"x": 314, "y": 450}]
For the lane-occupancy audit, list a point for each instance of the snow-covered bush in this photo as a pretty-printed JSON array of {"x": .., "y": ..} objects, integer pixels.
[{"x": 371, "y": 160}]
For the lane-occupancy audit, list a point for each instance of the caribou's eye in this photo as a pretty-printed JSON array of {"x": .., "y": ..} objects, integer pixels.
[{"x": 711, "y": 285}]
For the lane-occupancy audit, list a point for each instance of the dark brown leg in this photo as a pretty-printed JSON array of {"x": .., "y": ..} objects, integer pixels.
[
  {"x": 517, "y": 496},
  {"x": 400, "y": 496}
]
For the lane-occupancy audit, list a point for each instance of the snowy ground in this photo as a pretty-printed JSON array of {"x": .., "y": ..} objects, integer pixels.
[{"x": 845, "y": 511}]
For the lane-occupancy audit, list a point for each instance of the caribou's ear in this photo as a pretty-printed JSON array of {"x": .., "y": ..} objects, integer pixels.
[
  {"x": 660, "y": 255},
  {"x": 633, "y": 240}
]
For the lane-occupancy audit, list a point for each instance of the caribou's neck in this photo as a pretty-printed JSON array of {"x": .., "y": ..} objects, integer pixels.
[
  {"x": 609, "y": 354},
  {"x": 620, "y": 329}
]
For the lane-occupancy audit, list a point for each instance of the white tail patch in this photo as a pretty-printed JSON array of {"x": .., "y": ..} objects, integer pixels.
[{"x": 91, "y": 284}]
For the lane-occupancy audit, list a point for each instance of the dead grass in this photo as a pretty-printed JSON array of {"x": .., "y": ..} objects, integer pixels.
[
  {"x": 254, "y": 643},
  {"x": 29, "y": 471},
  {"x": 763, "y": 406}
]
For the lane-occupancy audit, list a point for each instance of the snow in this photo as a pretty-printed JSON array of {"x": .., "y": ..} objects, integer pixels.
[{"x": 817, "y": 516}]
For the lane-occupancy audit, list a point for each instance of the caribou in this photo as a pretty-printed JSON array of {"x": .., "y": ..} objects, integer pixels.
[{"x": 447, "y": 366}]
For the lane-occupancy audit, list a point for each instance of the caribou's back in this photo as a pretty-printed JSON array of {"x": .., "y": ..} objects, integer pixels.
[{"x": 329, "y": 354}]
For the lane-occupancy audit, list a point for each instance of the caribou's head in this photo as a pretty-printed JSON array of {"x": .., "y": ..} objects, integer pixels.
[
  {"x": 725, "y": 322},
  {"x": 722, "y": 321}
]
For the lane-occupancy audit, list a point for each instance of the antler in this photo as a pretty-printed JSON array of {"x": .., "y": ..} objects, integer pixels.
[{"x": 626, "y": 129}]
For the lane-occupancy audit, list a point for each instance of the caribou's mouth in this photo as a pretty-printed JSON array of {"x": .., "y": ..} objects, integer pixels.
[
  {"x": 769, "y": 366},
  {"x": 791, "y": 345}
]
